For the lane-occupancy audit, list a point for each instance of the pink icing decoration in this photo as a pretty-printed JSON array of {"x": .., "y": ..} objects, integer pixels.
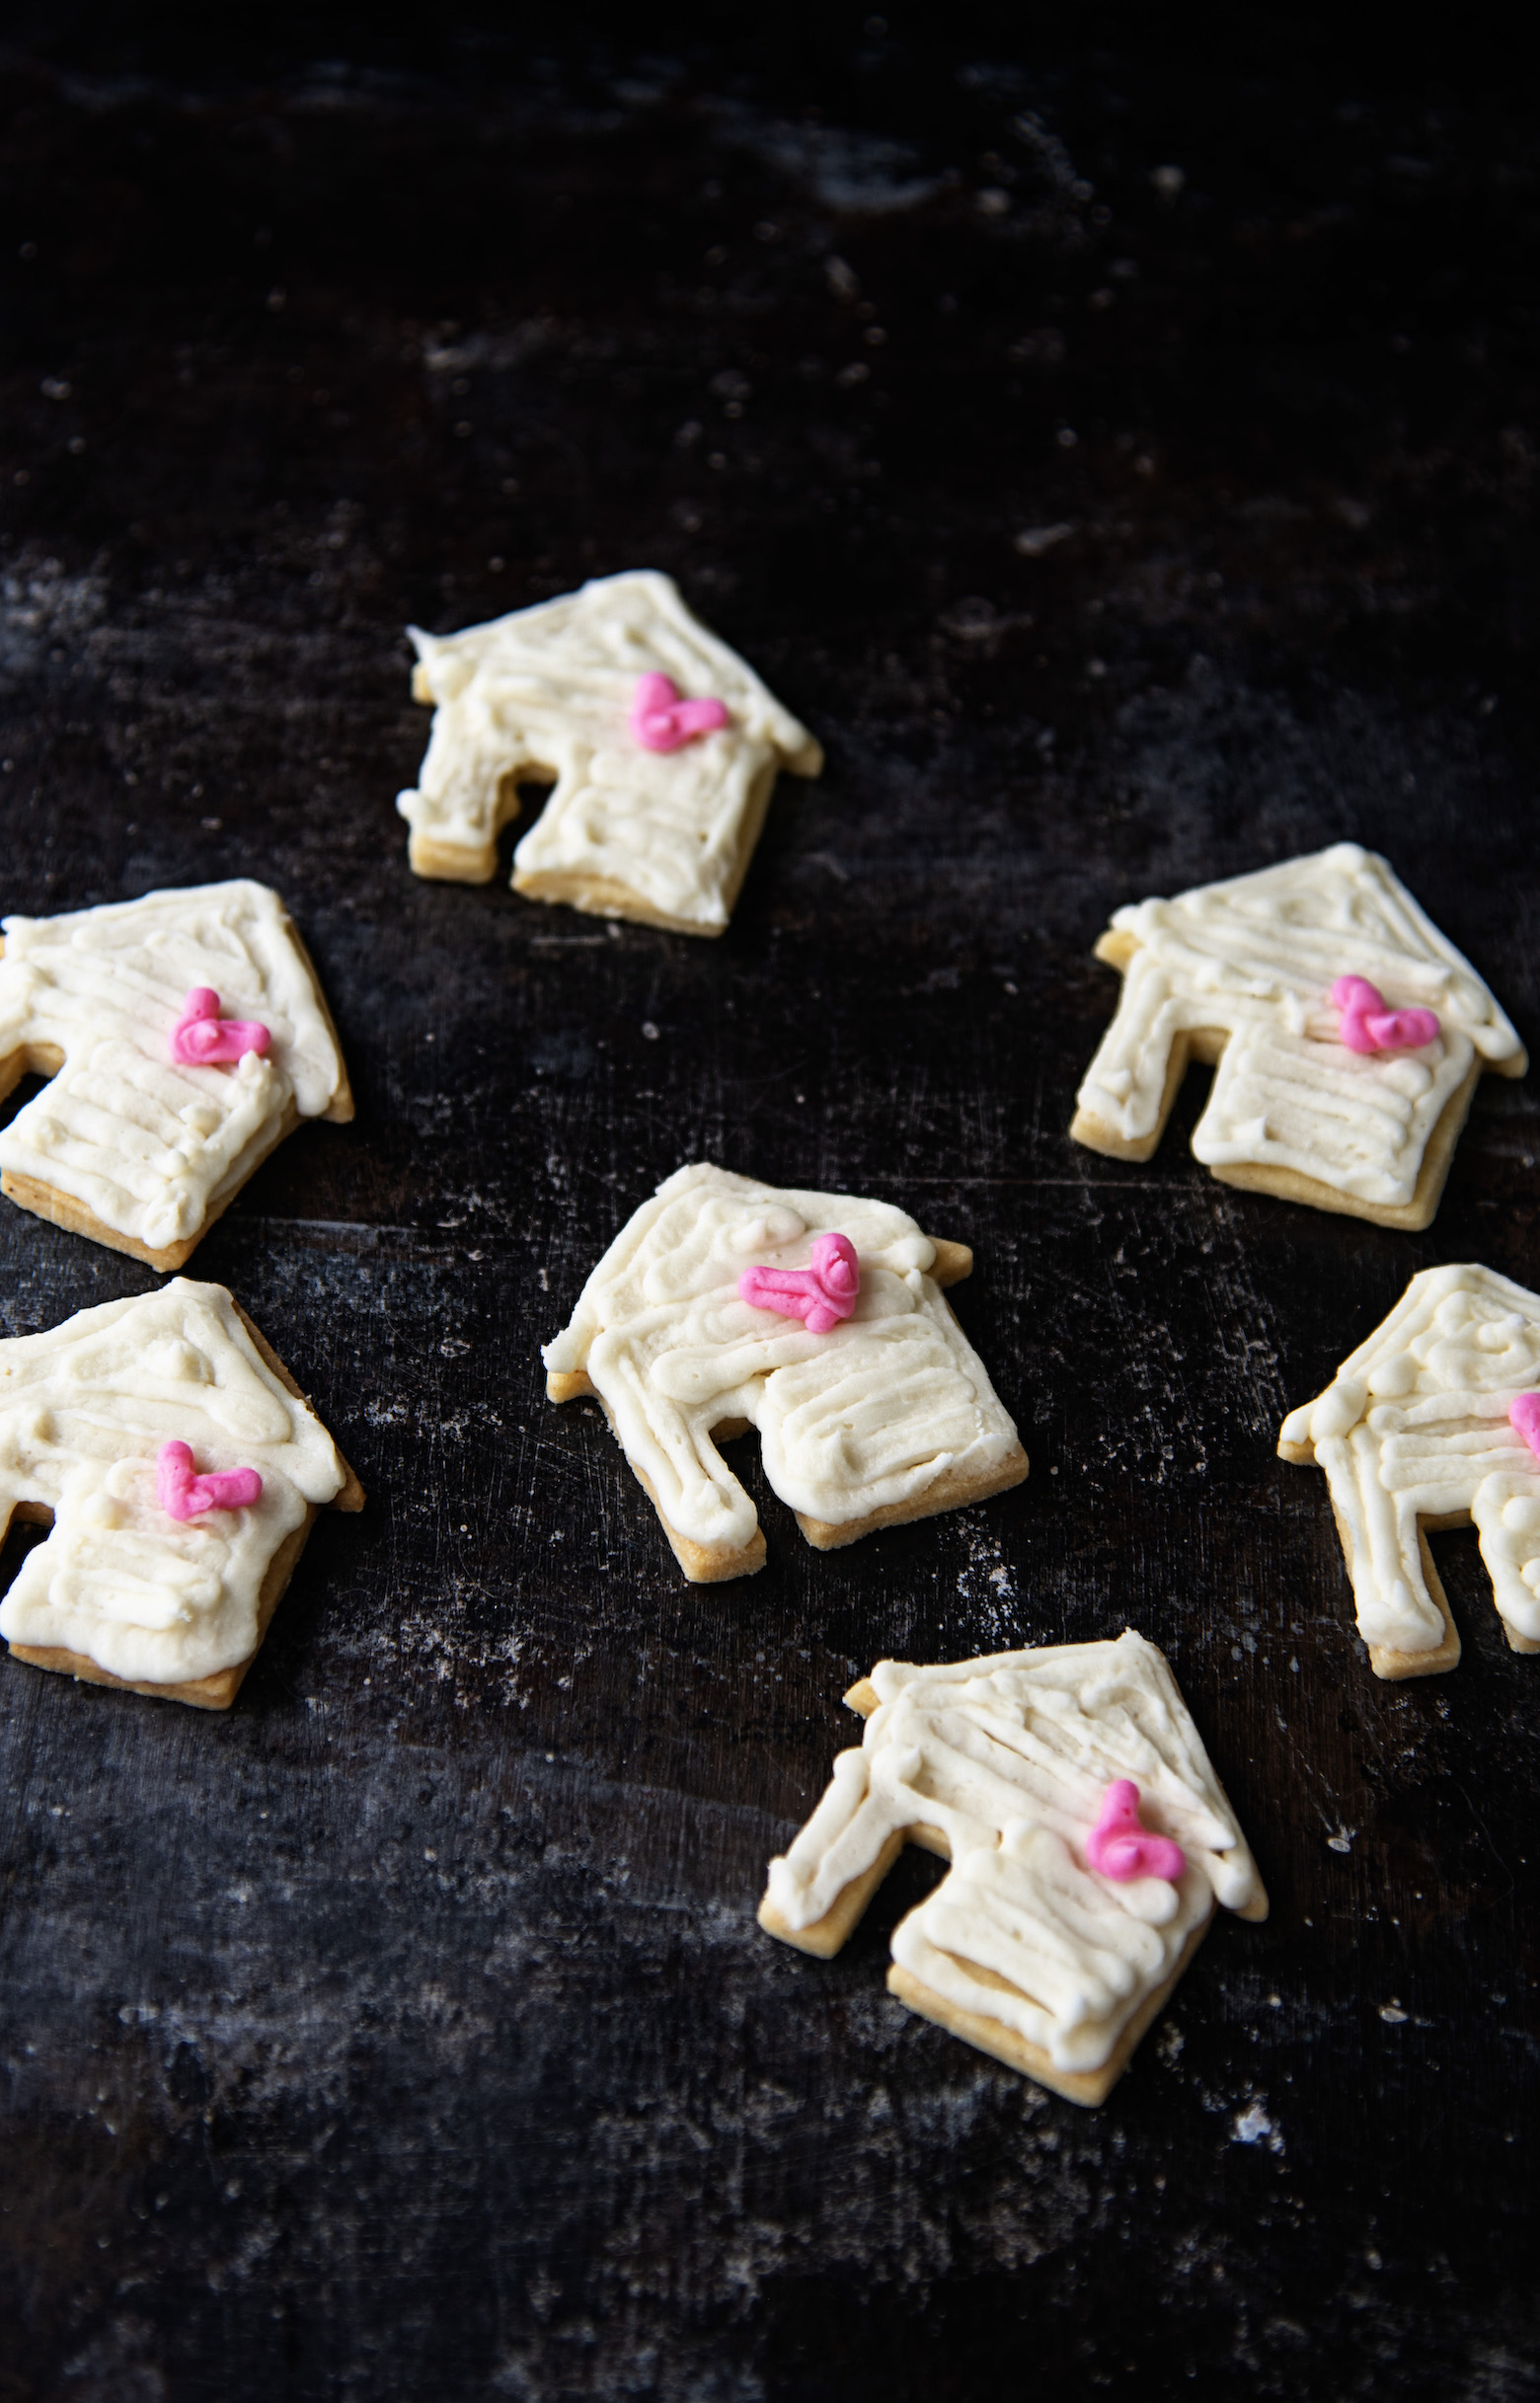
[
  {"x": 661, "y": 721},
  {"x": 1367, "y": 1025},
  {"x": 1122, "y": 1849},
  {"x": 186, "y": 1495},
  {"x": 201, "y": 1037},
  {"x": 1525, "y": 1415},
  {"x": 820, "y": 1295}
]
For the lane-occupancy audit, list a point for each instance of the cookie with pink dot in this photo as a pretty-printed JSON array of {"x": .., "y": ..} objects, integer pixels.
[
  {"x": 1345, "y": 1033},
  {"x": 1089, "y": 1839},
  {"x": 184, "y": 1035}
]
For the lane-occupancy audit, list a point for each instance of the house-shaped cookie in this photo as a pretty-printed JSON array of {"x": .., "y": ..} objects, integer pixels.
[
  {"x": 130, "y": 1144},
  {"x": 127, "y": 1591},
  {"x": 1002, "y": 1765},
  {"x": 887, "y": 1416},
  {"x": 1414, "y": 1433},
  {"x": 1241, "y": 975},
  {"x": 548, "y": 695}
]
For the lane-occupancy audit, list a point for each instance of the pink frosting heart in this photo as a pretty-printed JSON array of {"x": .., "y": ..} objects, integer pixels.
[
  {"x": 1119, "y": 1849},
  {"x": 1525, "y": 1416},
  {"x": 201, "y": 1038},
  {"x": 820, "y": 1295},
  {"x": 185, "y": 1495},
  {"x": 661, "y": 721},
  {"x": 1367, "y": 1025}
]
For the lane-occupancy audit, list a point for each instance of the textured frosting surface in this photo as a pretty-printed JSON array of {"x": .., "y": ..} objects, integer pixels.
[
  {"x": 1416, "y": 1424},
  {"x": 84, "y": 1409},
  {"x": 145, "y": 1142},
  {"x": 1256, "y": 958},
  {"x": 549, "y": 689},
  {"x": 850, "y": 1422},
  {"x": 1009, "y": 1758}
]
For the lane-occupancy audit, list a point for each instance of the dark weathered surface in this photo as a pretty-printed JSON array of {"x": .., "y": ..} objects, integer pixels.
[{"x": 408, "y": 2032}]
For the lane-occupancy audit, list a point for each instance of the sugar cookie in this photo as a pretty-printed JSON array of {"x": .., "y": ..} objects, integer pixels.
[
  {"x": 1021, "y": 1770},
  {"x": 885, "y": 1415},
  {"x": 181, "y": 1470},
  {"x": 184, "y": 1035},
  {"x": 1423, "y": 1428},
  {"x": 662, "y": 744},
  {"x": 1291, "y": 983}
]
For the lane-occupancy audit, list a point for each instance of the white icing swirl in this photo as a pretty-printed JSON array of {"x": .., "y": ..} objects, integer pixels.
[
  {"x": 547, "y": 692},
  {"x": 1414, "y": 1425},
  {"x": 1008, "y": 1759},
  {"x": 850, "y": 1422},
  {"x": 143, "y": 1140},
  {"x": 84, "y": 1409},
  {"x": 1255, "y": 959}
]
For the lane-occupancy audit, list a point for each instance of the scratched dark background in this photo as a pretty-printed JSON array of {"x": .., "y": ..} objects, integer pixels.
[{"x": 407, "y": 2032}]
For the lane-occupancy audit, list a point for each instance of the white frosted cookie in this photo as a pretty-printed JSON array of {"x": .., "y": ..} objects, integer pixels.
[
  {"x": 1089, "y": 1840},
  {"x": 1346, "y": 1032},
  {"x": 184, "y": 1035},
  {"x": 886, "y": 1415},
  {"x": 180, "y": 1469},
  {"x": 1423, "y": 1428},
  {"x": 658, "y": 805}
]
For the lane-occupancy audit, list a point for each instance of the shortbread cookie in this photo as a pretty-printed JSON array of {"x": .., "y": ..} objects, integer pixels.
[
  {"x": 1346, "y": 1036},
  {"x": 181, "y": 1470},
  {"x": 885, "y": 1415},
  {"x": 1089, "y": 1842},
  {"x": 1421, "y": 1428},
  {"x": 662, "y": 744},
  {"x": 184, "y": 1035}
]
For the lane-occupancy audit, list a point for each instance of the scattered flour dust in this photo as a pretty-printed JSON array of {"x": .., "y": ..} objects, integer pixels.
[
  {"x": 987, "y": 1585},
  {"x": 44, "y": 609}
]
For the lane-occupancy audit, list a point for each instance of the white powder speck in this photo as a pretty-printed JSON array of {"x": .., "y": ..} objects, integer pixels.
[{"x": 1253, "y": 2126}]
